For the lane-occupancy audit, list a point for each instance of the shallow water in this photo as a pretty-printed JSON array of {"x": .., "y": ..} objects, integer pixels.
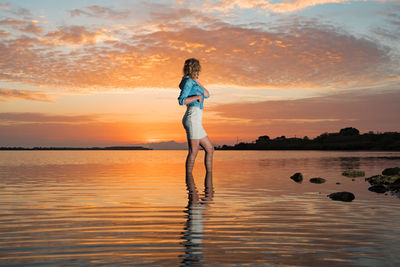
[{"x": 135, "y": 208}]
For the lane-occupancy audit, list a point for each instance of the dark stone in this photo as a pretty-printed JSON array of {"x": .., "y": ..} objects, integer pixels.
[
  {"x": 397, "y": 182},
  {"x": 342, "y": 196},
  {"x": 353, "y": 179},
  {"x": 353, "y": 173},
  {"x": 391, "y": 171},
  {"x": 395, "y": 186},
  {"x": 317, "y": 180},
  {"x": 337, "y": 183},
  {"x": 297, "y": 177},
  {"x": 382, "y": 179},
  {"x": 378, "y": 189}
]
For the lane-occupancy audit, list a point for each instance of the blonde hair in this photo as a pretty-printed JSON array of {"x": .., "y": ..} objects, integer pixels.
[{"x": 191, "y": 68}]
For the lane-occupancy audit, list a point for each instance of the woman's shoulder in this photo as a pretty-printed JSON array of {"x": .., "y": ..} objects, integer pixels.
[{"x": 186, "y": 80}]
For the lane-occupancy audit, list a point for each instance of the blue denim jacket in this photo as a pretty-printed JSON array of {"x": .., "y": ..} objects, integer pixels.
[{"x": 190, "y": 87}]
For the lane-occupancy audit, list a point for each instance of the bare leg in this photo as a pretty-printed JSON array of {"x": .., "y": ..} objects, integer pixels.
[
  {"x": 193, "y": 149},
  {"x": 193, "y": 195},
  {"x": 208, "y": 187},
  {"x": 209, "y": 152}
]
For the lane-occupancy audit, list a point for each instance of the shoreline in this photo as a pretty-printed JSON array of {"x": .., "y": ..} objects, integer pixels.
[
  {"x": 70, "y": 148},
  {"x": 151, "y": 149}
]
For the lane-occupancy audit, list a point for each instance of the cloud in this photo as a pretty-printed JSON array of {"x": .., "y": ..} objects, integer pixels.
[
  {"x": 16, "y": 11},
  {"x": 345, "y": 105},
  {"x": 29, "y": 117},
  {"x": 390, "y": 31},
  {"x": 363, "y": 109},
  {"x": 269, "y": 6},
  {"x": 289, "y": 54},
  {"x": 148, "y": 15},
  {"x": 21, "y": 12},
  {"x": 76, "y": 35},
  {"x": 23, "y": 94},
  {"x": 96, "y": 11},
  {"x": 306, "y": 54},
  {"x": 166, "y": 17},
  {"x": 292, "y": 6},
  {"x": 11, "y": 22},
  {"x": 30, "y": 26}
]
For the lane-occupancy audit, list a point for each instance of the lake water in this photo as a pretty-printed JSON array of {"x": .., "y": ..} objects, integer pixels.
[{"x": 133, "y": 208}]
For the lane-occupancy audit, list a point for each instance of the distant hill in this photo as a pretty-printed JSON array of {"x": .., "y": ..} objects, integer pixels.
[
  {"x": 346, "y": 139},
  {"x": 169, "y": 145}
]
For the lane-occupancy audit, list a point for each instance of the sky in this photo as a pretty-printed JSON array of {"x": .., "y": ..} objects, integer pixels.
[{"x": 99, "y": 73}]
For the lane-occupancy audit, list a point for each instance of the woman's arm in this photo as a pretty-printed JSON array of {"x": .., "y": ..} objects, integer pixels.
[
  {"x": 184, "y": 97},
  {"x": 191, "y": 99},
  {"x": 206, "y": 93},
  {"x": 185, "y": 91}
]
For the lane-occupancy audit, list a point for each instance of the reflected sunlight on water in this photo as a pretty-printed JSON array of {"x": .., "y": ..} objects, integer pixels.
[{"x": 137, "y": 208}]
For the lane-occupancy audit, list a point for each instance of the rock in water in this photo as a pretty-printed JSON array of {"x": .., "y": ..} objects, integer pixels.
[
  {"x": 395, "y": 186},
  {"x": 378, "y": 189},
  {"x": 391, "y": 171},
  {"x": 396, "y": 183},
  {"x": 317, "y": 180},
  {"x": 382, "y": 179},
  {"x": 297, "y": 177},
  {"x": 384, "y": 183},
  {"x": 353, "y": 173},
  {"x": 342, "y": 196}
]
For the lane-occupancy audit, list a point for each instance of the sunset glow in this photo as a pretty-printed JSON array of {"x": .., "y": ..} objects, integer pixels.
[{"x": 94, "y": 73}]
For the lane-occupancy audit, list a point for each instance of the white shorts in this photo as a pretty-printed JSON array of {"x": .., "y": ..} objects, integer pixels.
[{"x": 192, "y": 123}]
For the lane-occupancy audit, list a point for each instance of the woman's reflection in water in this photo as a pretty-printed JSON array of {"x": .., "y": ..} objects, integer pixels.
[{"x": 193, "y": 232}]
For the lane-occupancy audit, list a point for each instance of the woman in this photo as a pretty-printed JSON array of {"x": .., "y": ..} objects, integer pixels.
[{"x": 192, "y": 95}]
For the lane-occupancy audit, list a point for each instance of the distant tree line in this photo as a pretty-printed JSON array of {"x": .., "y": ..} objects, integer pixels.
[{"x": 346, "y": 139}]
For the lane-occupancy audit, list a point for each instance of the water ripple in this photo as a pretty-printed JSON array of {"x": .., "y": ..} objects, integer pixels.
[{"x": 139, "y": 211}]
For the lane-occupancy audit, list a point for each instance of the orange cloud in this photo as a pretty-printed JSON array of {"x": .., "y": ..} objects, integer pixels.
[
  {"x": 23, "y": 94},
  {"x": 286, "y": 6},
  {"x": 277, "y": 7},
  {"x": 23, "y": 25},
  {"x": 305, "y": 55},
  {"x": 11, "y": 22},
  {"x": 75, "y": 35}
]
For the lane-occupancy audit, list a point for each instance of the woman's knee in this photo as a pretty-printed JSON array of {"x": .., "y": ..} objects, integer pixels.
[
  {"x": 209, "y": 149},
  {"x": 193, "y": 152}
]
